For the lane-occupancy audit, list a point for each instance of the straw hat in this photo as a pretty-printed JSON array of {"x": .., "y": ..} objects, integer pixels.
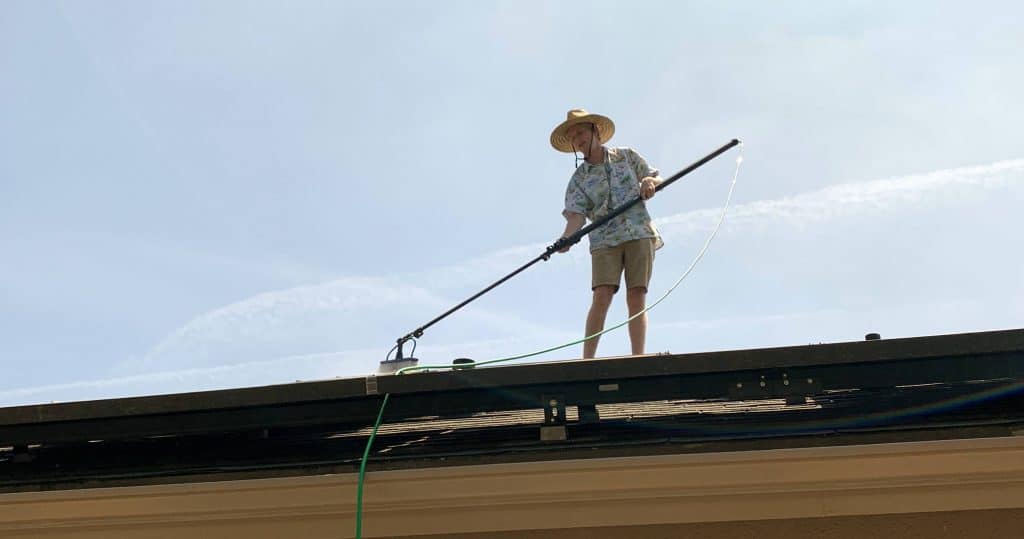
[{"x": 560, "y": 138}]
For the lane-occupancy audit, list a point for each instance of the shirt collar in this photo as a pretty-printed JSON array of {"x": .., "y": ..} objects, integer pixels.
[{"x": 611, "y": 157}]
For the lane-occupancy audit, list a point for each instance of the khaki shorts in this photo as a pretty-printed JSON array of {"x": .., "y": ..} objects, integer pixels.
[{"x": 636, "y": 257}]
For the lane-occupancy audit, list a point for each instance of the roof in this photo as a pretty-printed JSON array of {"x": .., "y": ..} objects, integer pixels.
[{"x": 946, "y": 386}]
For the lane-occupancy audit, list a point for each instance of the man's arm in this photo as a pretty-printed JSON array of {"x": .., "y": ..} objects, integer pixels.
[
  {"x": 650, "y": 178},
  {"x": 573, "y": 222}
]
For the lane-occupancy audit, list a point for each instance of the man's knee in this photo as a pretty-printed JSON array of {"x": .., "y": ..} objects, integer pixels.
[
  {"x": 603, "y": 295},
  {"x": 636, "y": 296}
]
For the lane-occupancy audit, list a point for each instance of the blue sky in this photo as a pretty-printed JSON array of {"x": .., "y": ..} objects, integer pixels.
[{"x": 199, "y": 195}]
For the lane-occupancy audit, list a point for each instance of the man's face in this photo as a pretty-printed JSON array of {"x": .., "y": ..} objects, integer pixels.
[{"x": 581, "y": 136}]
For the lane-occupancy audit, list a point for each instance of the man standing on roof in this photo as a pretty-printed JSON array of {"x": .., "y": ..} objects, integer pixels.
[{"x": 608, "y": 178}]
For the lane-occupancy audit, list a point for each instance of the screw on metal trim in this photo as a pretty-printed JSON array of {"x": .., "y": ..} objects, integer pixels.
[{"x": 739, "y": 385}]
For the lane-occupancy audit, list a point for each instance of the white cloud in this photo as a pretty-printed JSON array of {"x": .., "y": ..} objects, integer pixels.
[
  {"x": 332, "y": 315},
  {"x": 320, "y": 366},
  {"x": 861, "y": 199},
  {"x": 252, "y": 373}
]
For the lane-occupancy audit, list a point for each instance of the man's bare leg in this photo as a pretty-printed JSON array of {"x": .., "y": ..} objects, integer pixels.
[
  {"x": 636, "y": 299},
  {"x": 595, "y": 318}
]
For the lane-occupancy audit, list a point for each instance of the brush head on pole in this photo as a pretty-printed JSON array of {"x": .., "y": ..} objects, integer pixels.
[{"x": 391, "y": 366}]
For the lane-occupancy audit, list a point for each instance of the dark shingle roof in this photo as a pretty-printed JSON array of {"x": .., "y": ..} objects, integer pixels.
[{"x": 923, "y": 388}]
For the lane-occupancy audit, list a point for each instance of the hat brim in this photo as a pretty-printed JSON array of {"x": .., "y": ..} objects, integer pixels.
[{"x": 560, "y": 138}]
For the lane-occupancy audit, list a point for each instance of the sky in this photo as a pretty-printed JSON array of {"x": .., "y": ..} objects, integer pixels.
[{"x": 204, "y": 195}]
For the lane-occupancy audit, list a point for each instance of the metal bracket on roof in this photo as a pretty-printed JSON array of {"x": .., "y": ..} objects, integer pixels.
[
  {"x": 774, "y": 385},
  {"x": 554, "y": 409},
  {"x": 553, "y": 429},
  {"x": 553, "y": 433}
]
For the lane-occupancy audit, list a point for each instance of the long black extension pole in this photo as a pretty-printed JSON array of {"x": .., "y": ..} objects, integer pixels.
[{"x": 566, "y": 241}]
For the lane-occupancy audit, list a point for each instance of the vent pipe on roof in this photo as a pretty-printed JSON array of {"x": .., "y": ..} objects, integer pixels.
[
  {"x": 463, "y": 363},
  {"x": 872, "y": 337}
]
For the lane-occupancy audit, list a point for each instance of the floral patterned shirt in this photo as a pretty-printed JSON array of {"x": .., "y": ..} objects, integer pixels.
[{"x": 595, "y": 190}]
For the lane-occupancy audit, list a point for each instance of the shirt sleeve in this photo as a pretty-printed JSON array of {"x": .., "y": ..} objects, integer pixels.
[
  {"x": 576, "y": 200},
  {"x": 641, "y": 168}
]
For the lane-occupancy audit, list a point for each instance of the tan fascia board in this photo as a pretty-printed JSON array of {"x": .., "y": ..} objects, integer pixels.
[{"x": 913, "y": 477}]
